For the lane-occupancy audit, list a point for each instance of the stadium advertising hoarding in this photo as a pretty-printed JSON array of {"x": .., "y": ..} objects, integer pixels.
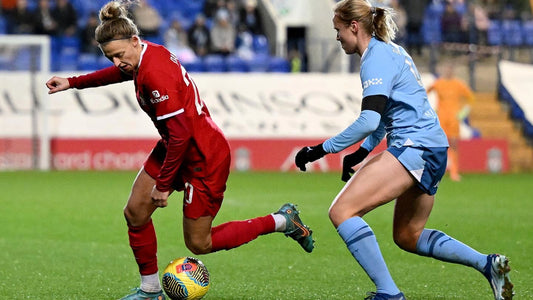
[{"x": 266, "y": 117}]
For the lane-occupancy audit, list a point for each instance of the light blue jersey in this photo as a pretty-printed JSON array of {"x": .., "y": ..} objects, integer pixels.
[{"x": 408, "y": 119}]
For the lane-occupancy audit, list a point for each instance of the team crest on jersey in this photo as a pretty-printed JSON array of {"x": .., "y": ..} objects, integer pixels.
[{"x": 157, "y": 97}]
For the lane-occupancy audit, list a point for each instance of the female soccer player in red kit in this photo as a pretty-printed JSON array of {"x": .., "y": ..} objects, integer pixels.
[{"x": 192, "y": 155}]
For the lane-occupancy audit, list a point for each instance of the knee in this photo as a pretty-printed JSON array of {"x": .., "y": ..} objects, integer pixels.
[
  {"x": 406, "y": 239},
  {"x": 133, "y": 218},
  {"x": 334, "y": 216},
  {"x": 338, "y": 214},
  {"x": 198, "y": 246}
]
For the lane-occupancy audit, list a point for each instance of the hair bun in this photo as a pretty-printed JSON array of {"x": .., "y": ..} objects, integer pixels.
[{"x": 116, "y": 9}]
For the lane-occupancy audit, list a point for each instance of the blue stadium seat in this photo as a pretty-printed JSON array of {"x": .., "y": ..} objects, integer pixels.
[
  {"x": 70, "y": 43},
  {"x": 3, "y": 25},
  {"x": 512, "y": 33},
  {"x": 104, "y": 62},
  {"x": 527, "y": 31},
  {"x": 494, "y": 33},
  {"x": 279, "y": 64},
  {"x": 215, "y": 63},
  {"x": 22, "y": 60},
  {"x": 236, "y": 64},
  {"x": 88, "y": 62},
  {"x": 260, "y": 44},
  {"x": 68, "y": 61},
  {"x": 194, "y": 66},
  {"x": 431, "y": 31},
  {"x": 259, "y": 63},
  {"x": 5, "y": 62}
]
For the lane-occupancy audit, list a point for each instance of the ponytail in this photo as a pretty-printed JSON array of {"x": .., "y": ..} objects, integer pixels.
[{"x": 376, "y": 21}]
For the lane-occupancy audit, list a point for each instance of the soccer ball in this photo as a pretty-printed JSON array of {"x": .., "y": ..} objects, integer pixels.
[{"x": 185, "y": 278}]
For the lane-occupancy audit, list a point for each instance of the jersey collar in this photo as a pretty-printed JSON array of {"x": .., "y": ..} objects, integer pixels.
[
  {"x": 373, "y": 40},
  {"x": 145, "y": 46}
]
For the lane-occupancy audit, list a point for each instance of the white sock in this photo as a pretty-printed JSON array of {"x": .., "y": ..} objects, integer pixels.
[
  {"x": 281, "y": 222},
  {"x": 150, "y": 283}
]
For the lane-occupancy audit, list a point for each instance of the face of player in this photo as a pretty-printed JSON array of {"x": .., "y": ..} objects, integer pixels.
[
  {"x": 346, "y": 35},
  {"x": 124, "y": 53}
]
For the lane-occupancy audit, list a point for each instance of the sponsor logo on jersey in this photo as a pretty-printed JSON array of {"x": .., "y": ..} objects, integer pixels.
[
  {"x": 373, "y": 81},
  {"x": 157, "y": 97}
]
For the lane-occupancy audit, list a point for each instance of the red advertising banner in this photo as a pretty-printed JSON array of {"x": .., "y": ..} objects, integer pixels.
[{"x": 476, "y": 155}]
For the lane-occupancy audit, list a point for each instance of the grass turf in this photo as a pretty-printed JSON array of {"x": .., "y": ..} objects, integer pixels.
[{"x": 64, "y": 237}]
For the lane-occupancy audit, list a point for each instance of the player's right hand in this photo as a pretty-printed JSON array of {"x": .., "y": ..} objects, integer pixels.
[
  {"x": 308, "y": 154},
  {"x": 57, "y": 84},
  {"x": 351, "y": 160}
]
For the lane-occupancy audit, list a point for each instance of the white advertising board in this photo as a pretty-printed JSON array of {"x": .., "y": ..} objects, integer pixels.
[{"x": 244, "y": 105}]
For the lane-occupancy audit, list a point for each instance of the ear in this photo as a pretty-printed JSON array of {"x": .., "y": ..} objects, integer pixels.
[
  {"x": 354, "y": 26},
  {"x": 135, "y": 40}
]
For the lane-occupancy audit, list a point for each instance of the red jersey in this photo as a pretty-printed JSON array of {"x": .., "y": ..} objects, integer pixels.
[{"x": 195, "y": 144}]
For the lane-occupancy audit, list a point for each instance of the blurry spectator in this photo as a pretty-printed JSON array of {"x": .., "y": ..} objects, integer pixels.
[
  {"x": 493, "y": 9},
  {"x": 8, "y": 5},
  {"x": 147, "y": 18},
  {"x": 199, "y": 37},
  {"x": 212, "y": 6},
  {"x": 476, "y": 24},
  {"x": 223, "y": 35},
  {"x": 66, "y": 18},
  {"x": 482, "y": 23},
  {"x": 400, "y": 18},
  {"x": 249, "y": 17},
  {"x": 245, "y": 41},
  {"x": 21, "y": 18},
  {"x": 45, "y": 22},
  {"x": 233, "y": 12},
  {"x": 88, "y": 42},
  {"x": 175, "y": 39},
  {"x": 295, "y": 59},
  {"x": 451, "y": 22},
  {"x": 415, "y": 11}
]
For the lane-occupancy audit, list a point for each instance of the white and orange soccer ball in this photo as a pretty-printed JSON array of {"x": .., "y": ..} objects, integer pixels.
[{"x": 185, "y": 278}]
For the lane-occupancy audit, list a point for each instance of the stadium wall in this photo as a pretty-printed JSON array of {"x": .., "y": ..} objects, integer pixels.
[{"x": 266, "y": 117}]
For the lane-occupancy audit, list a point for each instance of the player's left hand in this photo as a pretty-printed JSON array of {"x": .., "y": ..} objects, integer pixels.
[
  {"x": 308, "y": 154},
  {"x": 351, "y": 160},
  {"x": 159, "y": 198}
]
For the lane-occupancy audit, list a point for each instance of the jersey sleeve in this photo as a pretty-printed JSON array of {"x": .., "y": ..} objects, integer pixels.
[
  {"x": 375, "y": 138},
  {"x": 101, "y": 77},
  {"x": 164, "y": 94},
  {"x": 367, "y": 122},
  {"x": 377, "y": 73},
  {"x": 178, "y": 141}
]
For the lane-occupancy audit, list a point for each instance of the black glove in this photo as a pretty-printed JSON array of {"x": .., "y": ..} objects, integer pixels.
[
  {"x": 308, "y": 154},
  {"x": 351, "y": 160}
]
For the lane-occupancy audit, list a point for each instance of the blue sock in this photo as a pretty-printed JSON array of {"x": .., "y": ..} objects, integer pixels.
[
  {"x": 437, "y": 244},
  {"x": 364, "y": 247}
]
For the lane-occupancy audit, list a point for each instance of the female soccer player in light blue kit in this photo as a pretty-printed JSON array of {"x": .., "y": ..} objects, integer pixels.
[{"x": 394, "y": 104}]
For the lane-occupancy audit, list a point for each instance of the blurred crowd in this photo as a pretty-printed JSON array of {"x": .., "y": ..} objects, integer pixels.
[
  {"x": 452, "y": 21},
  {"x": 195, "y": 29},
  {"x": 222, "y": 26}
]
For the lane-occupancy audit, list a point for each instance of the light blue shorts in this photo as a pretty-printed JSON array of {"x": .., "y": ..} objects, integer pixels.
[{"x": 427, "y": 165}]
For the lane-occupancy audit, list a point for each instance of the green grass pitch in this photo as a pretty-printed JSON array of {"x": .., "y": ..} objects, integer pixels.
[{"x": 63, "y": 236}]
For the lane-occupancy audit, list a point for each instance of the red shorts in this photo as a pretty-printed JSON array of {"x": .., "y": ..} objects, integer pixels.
[{"x": 202, "y": 196}]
